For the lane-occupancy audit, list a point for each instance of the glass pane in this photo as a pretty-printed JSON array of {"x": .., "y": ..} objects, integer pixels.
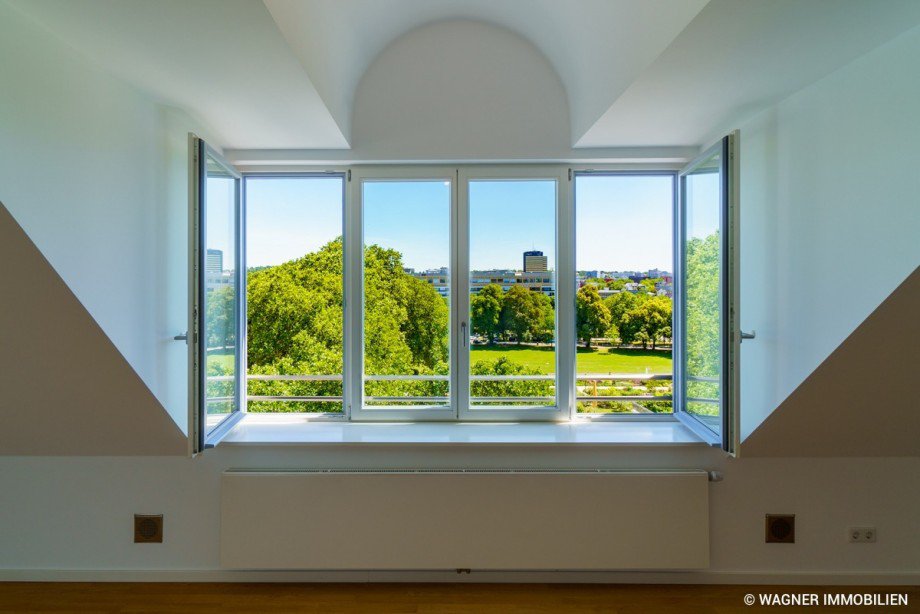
[
  {"x": 512, "y": 293},
  {"x": 703, "y": 291},
  {"x": 406, "y": 293},
  {"x": 294, "y": 293},
  {"x": 220, "y": 303},
  {"x": 623, "y": 260}
]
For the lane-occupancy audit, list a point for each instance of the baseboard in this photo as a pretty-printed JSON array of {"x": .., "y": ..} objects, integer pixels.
[{"x": 523, "y": 577}]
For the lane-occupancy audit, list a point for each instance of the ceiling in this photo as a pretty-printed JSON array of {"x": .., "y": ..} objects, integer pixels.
[{"x": 282, "y": 74}]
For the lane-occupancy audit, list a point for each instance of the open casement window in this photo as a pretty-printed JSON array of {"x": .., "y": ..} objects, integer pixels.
[
  {"x": 217, "y": 327},
  {"x": 707, "y": 337}
]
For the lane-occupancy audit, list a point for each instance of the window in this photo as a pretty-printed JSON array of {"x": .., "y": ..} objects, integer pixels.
[
  {"x": 624, "y": 261},
  {"x": 476, "y": 293},
  {"x": 295, "y": 292},
  {"x": 708, "y": 334},
  {"x": 512, "y": 355},
  {"x": 405, "y": 298},
  {"x": 216, "y": 333}
]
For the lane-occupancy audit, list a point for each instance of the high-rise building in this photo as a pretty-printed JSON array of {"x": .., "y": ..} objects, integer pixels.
[
  {"x": 534, "y": 262},
  {"x": 214, "y": 263}
]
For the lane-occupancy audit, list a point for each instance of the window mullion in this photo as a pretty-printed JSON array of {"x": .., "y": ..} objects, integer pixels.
[
  {"x": 565, "y": 295},
  {"x": 353, "y": 268},
  {"x": 461, "y": 300}
]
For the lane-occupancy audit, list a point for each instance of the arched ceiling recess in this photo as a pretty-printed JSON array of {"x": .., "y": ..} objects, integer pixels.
[
  {"x": 597, "y": 47},
  {"x": 432, "y": 94}
]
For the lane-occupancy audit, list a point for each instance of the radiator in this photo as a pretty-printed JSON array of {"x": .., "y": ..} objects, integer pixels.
[{"x": 484, "y": 520}]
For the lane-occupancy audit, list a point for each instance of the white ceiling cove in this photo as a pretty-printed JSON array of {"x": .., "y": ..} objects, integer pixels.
[
  {"x": 283, "y": 74},
  {"x": 223, "y": 61}
]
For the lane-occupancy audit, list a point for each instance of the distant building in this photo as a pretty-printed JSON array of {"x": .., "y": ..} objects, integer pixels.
[
  {"x": 214, "y": 274},
  {"x": 538, "y": 281},
  {"x": 439, "y": 278},
  {"x": 214, "y": 261},
  {"x": 535, "y": 261}
]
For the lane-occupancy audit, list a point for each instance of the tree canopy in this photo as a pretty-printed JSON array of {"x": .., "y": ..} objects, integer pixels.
[
  {"x": 592, "y": 315},
  {"x": 519, "y": 314}
]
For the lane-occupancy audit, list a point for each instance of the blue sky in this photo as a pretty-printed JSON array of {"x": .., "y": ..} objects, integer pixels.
[
  {"x": 287, "y": 218},
  {"x": 622, "y": 222},
  {"x": 506, "y": 219}
]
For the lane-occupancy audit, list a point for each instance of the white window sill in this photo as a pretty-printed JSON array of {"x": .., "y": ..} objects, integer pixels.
[{"x": 279, "y": 429}]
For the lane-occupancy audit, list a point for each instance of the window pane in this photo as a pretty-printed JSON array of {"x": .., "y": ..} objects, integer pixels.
[
  {"x": 220, "y": 304},
  {"x": 703, "y": 296},
  {"x": 406, "y": 293},
  {"x": 623, "y": 260},
  {"x": 294, "y": 293},
  {"x": 512, "y": 293}
]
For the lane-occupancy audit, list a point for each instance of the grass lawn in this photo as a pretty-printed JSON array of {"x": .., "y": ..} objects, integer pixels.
[{"x": 599, "y": 360}]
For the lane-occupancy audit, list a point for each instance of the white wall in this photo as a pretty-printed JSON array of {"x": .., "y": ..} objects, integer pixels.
[
  {"x": 95, "y": 173},
  {"x": 76, "y": 514},
  {"x": 830, "y": 202},
  {"x": 433, "y": 94}
]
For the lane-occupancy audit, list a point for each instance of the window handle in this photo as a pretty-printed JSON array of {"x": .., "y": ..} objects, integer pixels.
[
  {"x": 750, "y": 335},
  {"x": 463, "y": 333},
  {"x": 182, "y": 337}
]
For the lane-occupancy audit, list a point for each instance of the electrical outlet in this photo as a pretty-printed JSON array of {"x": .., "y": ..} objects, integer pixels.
[
  {"x": 779, "y": 528},
  {"x": 861, "y": 535},
  {"x": 148, "y": 529}
]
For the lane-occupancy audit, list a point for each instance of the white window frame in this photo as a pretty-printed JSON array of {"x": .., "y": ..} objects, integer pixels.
[
  {"x": 673, "y": 172},
  {"x": 728, "y": 437},
  {"x": 458, "y": 409},
  {"x": 314, "y": 173},
  {"x": 201, "y": 435},
  {"x": 564, "y": 272},
  {"x": 356, "y": 409}
]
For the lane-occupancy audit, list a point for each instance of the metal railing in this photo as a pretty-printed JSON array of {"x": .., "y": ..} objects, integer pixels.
[{"x": 591, "y": 380}]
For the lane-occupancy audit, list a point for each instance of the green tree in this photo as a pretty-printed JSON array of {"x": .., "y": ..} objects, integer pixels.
[
  {"x": 221, "y": 307},
  {"x": 592, "y": 317},
  {"x": 702, "y": 282},
  {"x": 619, "y": 305},
  {"x": 299, "y": 299},
  {"x": 513, "y": 388},
  {"x": 657, "y": 313},
  {"x": 486, "y": 312},
  {"x": 648, "y": 322},
  {"x": 524, "y": 313},
  {"x": 547, "y": 333},
  {"x": 649, "y": 284},
  {"x": 295, "y": 313},
  {"x": 426, "y": 324}
]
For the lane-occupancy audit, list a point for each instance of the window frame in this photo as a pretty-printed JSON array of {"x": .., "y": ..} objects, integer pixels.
[
  {"x": 343, "y": 173},
  {"x": 631, "y": 171},
  {"x": 356, "y": 410},
  {"x": 563, "y": 408},
  {"x": 201, "y": 436},
  {"x": 728, "y": 437},
  {"x": 458, "y": 410}
]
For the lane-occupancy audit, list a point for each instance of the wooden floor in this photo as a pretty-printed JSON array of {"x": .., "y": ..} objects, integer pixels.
[{"x": 18, "y": 597}]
